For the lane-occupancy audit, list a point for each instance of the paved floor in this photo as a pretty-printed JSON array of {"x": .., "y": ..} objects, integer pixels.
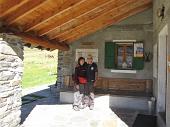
[
  {"x": 64, "y": 116},
  {"x": 48, "y": 112},
  {"x": 50, "y": 99}
]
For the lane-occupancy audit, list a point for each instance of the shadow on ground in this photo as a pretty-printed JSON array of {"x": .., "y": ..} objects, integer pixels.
[{"x": 45, "y": 96}]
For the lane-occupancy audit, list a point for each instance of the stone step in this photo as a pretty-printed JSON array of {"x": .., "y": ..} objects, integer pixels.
[
  {"x": 115, "y": 101},
  {"x": 129, "y": 102}
]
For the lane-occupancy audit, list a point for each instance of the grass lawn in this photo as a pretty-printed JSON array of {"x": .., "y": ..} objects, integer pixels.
[{"x": 40, "y": 67}]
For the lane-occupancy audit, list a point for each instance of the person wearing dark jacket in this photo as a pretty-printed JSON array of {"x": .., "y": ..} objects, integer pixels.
[
  {"x": 80, "y": 84},
  {"x": 92, "y": 73}
]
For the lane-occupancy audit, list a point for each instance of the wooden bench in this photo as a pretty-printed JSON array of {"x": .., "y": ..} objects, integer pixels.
[
  {"x": 137, "y": 85},
  {"x": 115, "y": 84}
]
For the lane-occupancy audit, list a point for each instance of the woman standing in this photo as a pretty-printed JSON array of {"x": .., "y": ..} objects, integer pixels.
[{"x": 80, "y": 84}]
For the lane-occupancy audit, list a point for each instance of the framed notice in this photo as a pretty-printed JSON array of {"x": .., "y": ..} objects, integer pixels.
[
  {"x": 138, "y": 50},
  {"x": 85, "y": 52}
]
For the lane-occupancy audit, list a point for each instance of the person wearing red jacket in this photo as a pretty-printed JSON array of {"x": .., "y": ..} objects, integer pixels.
[{"x": 81, "y": 88}]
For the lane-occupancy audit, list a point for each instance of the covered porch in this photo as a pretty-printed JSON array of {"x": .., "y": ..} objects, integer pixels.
[{"x": 128, "y": 40}]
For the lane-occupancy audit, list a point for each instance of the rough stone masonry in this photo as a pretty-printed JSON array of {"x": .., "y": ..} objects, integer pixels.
[
  {"x": 64, "y": 66},
  {"x": 11, "y": 70}
]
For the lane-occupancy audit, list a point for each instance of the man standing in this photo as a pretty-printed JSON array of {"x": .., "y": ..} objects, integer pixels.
[{"x": 92, "y": 73}]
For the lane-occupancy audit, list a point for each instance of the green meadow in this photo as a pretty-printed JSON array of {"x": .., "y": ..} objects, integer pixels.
[{"x": 40, "y": 67}]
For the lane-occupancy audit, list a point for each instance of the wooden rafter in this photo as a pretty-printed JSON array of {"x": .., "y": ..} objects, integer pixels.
[
  {"x": 53, "y": 23},
  {"x": 35, "y": 40},
  {"x": 10, "y": 5},
  {"x": 86, "y": 17},
  {"x": 75, "y": 12},
  {"x": 105, "y": 15},
  {"x": 86, "y": 32},
  {"x": 66, "y": 6},
  {"x": 119, "y": 18},
  {"x": 106, "y": 19},
  {"x": 28, "y": 7},
  {"x": 43, "y": 42}
]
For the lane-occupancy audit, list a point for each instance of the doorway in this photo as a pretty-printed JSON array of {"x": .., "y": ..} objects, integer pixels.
[{"x": 162, "y": 71}]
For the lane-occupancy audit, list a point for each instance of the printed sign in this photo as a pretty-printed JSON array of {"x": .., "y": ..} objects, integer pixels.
[
  {"x": 138, "y": 50},
  {"x": 86, "y": 52}
]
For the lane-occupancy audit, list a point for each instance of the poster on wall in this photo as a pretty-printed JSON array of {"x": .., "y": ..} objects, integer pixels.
[
  {"x": 86, "y": 52},
  {"x": 138, "y": 50}
]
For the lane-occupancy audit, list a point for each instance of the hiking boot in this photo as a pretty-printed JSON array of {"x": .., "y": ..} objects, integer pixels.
[{"x": 76, "y": 108}]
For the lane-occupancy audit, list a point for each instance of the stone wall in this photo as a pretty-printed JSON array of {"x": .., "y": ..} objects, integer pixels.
[
  {"x": 11, "y": 69},
  {"x": 64, "y": 65},
  {"x": 136, "y": 32}
]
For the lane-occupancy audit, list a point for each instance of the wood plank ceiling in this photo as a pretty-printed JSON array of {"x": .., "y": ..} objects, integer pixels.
[{"x": 54, "y": 24}]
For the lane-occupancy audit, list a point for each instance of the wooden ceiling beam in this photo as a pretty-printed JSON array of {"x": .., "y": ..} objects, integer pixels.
[
  {"x": 10, "y": 5},
  {"x": 43, "y": 42},
  {"x": 96, "y": 27},
  {"x": 86, "y": 17},
  {"x": 107, "y": 18},
  {"x": 66, "y": 6},
  {"x": 35, "y": 40},
  {"x": 25, "y": 9},
  {"x": 106, "y": 15},
  {"x": 74, "y": 12}
]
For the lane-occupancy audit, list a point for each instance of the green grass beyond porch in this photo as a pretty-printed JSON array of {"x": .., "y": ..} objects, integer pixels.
[{"x": 40, "y": 67}]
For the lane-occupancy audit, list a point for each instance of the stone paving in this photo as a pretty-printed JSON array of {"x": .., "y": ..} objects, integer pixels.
[
  {"x": 50, "y": 99},
  {"x": 64, "y": 115},
  {"x": 48, "y": 112}
]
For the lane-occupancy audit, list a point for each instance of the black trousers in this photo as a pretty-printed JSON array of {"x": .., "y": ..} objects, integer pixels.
[{"x": 86, "y": 89}]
